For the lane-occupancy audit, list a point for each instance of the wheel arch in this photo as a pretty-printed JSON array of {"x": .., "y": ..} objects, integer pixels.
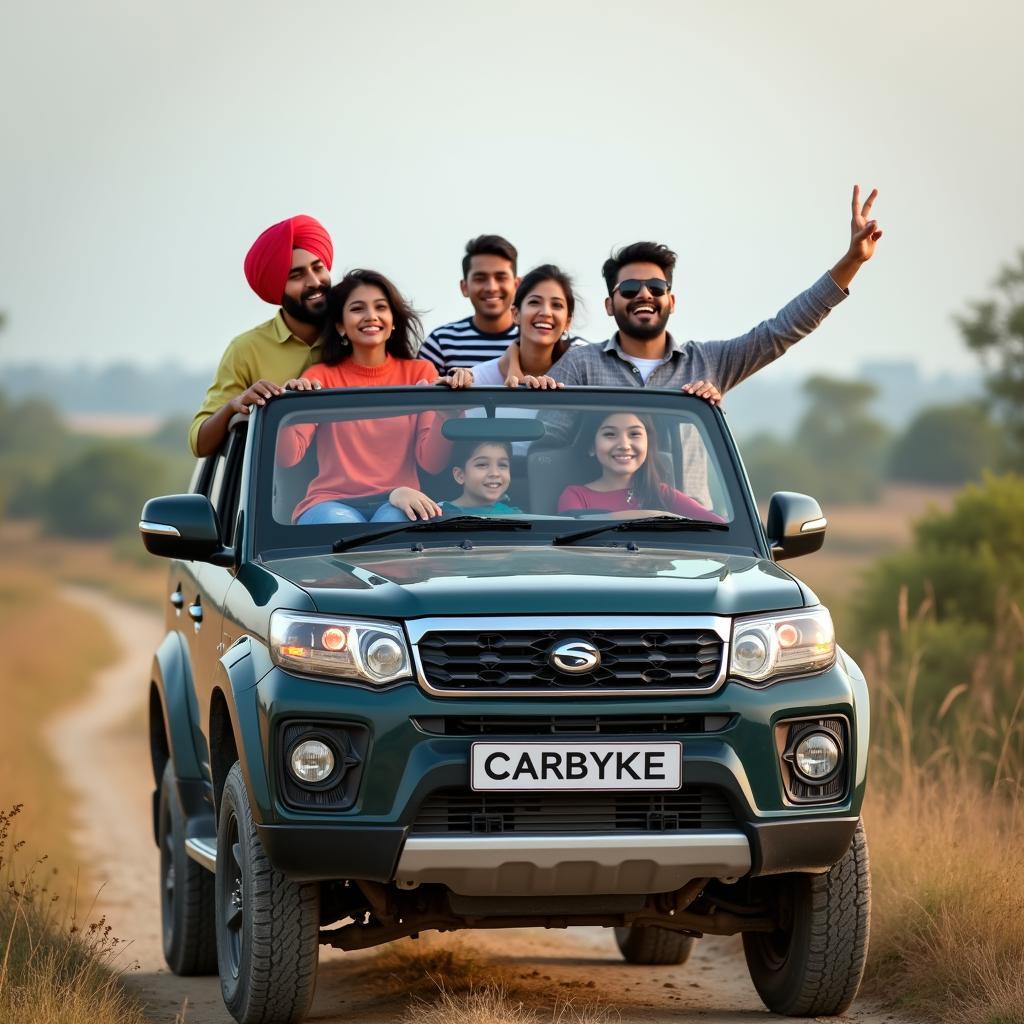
[
  {"x": 237, "y": 728},
  {"x": 172, "y": 719}
]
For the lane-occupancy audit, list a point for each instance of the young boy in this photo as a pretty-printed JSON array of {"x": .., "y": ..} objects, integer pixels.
[{"x": 481, "y": 469}]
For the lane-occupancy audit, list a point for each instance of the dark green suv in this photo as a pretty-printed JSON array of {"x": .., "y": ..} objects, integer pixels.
[{"x": 568, "y": 703}]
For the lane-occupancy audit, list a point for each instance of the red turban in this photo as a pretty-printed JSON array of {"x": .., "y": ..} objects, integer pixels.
[{"x": 269, "y": 260}]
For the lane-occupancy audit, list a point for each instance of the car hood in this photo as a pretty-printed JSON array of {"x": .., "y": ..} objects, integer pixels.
[{"x": 487, "y": 580}]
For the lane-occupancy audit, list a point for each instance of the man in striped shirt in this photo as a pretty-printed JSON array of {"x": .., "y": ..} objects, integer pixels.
[{"x": 489, "y": 281}]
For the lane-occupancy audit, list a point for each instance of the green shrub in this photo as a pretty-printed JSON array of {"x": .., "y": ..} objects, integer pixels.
[
  {"x": 952, "y": 600},
  {"x": 100, "y": 493},
  {"x": 946, "y": 444}
]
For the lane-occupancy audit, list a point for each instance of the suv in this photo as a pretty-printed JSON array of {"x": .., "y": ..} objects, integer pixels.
[{"x": 550, "y": 717}]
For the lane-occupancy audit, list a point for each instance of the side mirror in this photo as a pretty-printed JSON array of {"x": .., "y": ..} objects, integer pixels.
[
  {"x": 182, "y": 526},
  {"x": 796, "y": 525}
]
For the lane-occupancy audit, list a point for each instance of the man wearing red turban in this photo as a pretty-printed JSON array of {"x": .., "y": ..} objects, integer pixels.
[{"x": 289, "y": 265}]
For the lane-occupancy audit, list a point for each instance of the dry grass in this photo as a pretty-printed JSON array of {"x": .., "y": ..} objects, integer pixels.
[
  {"x": 51, "y": 649},
  {"x": 51, "y": 968},
  {"x": 946, "y": 822},
  {"x": 492, "y": 1004},
  {"x": 948, "y": 914}
]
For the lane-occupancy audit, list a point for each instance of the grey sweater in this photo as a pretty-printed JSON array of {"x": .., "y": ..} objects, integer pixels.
[{"x": 723, "y": 363}]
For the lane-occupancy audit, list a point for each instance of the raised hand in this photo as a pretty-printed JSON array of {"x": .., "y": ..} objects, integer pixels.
[{"x": 864, "y": 232}]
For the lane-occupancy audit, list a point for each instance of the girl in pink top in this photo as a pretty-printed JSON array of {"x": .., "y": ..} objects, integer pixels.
[
  {"x": 625, "y": 446},
  {"x": 367, "y": 468}
]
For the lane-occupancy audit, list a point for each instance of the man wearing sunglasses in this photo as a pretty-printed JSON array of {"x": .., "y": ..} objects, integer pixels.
[{"x": 640, "y": 298}]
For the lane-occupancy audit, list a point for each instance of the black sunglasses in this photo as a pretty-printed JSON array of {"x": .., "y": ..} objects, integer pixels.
[{"x": 632, "y": 286}]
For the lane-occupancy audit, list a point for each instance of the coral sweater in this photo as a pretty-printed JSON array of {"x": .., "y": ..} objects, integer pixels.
[{"x": 357, "y": 458}]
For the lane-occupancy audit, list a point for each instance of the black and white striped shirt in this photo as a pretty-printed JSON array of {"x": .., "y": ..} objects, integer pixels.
[{"x": 463, "y": 344}]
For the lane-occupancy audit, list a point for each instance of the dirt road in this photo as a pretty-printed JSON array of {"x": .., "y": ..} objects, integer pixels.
[{"x": 102, "y": 749}]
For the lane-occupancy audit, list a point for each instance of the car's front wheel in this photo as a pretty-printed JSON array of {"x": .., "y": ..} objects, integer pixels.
[
  {"x": 812, "y": 964},
  {"x": 268, "y": 926},
  {"x": 653, "y": 945},
  {"x": 186, "y": 892}
]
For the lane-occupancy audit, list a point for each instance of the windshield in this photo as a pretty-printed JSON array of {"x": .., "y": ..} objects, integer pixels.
[{"x": 354, "y": 466}]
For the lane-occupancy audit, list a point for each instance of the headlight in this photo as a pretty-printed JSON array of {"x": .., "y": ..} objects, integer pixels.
[
  {"x": 784, "y": 644},
  {"x": 321, "y": 645}
]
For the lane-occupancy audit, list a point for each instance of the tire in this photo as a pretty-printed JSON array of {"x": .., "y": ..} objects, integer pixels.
[
  {"x": 268, "y": 927},
  {"x": 186, "y": 892},
  {"x": 813, "y": 966},
  {"x": 653, "y": 945}
]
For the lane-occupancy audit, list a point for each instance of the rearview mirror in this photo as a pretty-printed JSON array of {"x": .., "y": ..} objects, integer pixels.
[
  {"x": 796, "y": 525},
  {"x": 182, "y": 526},
  {"x": 501, "y": 428}
]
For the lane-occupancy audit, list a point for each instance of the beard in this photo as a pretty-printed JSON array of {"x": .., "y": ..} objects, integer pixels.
[
  {"x": 641, "y": 332},
  {"x": 311, "y": 308}
]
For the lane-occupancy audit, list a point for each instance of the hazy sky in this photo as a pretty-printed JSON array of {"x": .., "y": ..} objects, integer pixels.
[{"x": 145, "y": 145}]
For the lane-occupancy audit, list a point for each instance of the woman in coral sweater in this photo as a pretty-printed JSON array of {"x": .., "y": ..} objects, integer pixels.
[{"x": 367, "y": 467}]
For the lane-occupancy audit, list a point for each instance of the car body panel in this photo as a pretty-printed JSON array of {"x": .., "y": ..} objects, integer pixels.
[{"x": 504, "y": 581}]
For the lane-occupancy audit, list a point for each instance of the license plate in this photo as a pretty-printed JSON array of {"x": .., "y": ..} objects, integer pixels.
[{"x": 577, "y": 766}]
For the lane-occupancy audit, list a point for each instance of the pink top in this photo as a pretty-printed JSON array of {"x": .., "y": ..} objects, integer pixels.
[
  {"x": 357, "y": 458},
  {"x": 577, "y": 496}
]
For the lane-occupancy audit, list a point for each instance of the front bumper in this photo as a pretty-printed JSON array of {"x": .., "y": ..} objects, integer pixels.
[{"x": 566, "y": 865}]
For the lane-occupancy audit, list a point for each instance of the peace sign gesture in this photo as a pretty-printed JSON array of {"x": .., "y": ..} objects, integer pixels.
[{"x": 864, "y": 233}]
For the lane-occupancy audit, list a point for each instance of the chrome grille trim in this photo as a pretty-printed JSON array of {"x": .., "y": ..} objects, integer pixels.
[{"x": 569, "y": 624}]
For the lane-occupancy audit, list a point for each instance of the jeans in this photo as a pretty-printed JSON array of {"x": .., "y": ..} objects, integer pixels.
[{"x": 339, "y": 512}]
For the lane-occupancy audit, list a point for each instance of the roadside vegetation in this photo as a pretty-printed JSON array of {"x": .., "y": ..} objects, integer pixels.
[
  {"x": 945, "y": 813},
  {"x": 52, "y": 967},
  {"x": 58, "y": 961}
]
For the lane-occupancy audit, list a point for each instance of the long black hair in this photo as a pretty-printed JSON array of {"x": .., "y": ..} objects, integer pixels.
[
  {"x": 549, "y": 272},
  {"x": 407, "y": 335},
  {"x": 647, "y": 484}
]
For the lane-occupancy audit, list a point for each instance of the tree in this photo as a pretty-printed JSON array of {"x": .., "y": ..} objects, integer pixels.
[
  {"x": 995, "y": 330},
  {"x": 946, "y": 444},
  {"x": 841, "y": 439},
  {"x": 100, "y": 493},
  {"x": 837, "y": 450}
]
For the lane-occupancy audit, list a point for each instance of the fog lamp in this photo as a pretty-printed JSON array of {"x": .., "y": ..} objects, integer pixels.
[
  {"x": 816, "y": 756},
  {"x": 312, "y": 761}
]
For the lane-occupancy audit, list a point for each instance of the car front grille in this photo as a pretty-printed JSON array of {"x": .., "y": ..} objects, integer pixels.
[
  {"x": 461, "y": 811},
  {"x": 632, "y": 660},
  {"x": 571, "y": 725}
]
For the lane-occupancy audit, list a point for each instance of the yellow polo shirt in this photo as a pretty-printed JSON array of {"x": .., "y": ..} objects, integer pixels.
[{"x": 268, "y": 352}]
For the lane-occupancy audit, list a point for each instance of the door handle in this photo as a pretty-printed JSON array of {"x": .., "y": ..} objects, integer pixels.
[
  {"x": 195, "y": 611},
  {"x": 178, "y": 599}
]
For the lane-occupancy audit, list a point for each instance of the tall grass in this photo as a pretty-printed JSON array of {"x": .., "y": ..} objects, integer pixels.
[
  {"x": 945, "y": 816},
  {"x": 52, "y": 968}
]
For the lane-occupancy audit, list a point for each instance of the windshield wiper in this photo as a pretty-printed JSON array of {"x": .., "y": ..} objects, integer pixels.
[
  {"x": 434, "y": 525},
  {"x": 665, "y": 522}
]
